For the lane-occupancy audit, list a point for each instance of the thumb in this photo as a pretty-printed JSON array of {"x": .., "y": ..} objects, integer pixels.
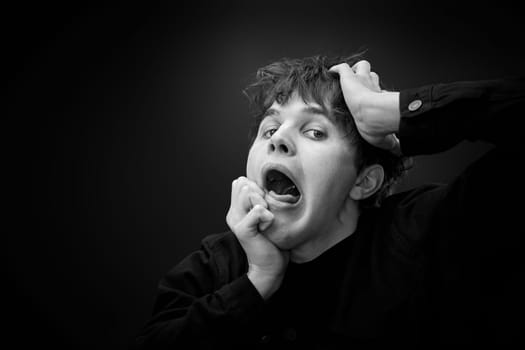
[{"x": 391, "y": 144}]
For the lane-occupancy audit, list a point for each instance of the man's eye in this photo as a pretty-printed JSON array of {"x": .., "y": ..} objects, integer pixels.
[
  {"x": 269, "y": 132},
  {"x": 315, "y": 134}
]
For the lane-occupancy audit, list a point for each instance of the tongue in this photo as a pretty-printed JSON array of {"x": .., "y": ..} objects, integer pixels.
[{"x": 288, "y": 198}]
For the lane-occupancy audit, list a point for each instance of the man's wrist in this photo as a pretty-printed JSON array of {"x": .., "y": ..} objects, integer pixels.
[
  {"x": 390, "y": 106},
  {"x": 266, "y": 284},
  {"x": 385, "y": 108}
]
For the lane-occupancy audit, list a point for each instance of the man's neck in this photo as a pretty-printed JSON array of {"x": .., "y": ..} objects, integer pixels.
[{"x": 344, "y": 226}]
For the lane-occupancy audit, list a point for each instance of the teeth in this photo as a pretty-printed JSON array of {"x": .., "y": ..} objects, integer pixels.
[{"x": 289, "y": 189}]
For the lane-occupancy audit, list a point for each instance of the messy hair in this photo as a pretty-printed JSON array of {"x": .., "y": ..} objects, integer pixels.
[{"x": 311, "y": 80}]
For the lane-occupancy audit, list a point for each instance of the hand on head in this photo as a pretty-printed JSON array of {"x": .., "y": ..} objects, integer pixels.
[{"x": 375, "y": 111}]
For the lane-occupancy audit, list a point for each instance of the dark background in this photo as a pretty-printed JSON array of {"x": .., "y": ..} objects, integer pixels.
[{"x": 126, "y": 125}]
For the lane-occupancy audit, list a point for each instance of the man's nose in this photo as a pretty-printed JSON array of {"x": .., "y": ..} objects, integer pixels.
[{"x": 281, "y": 142}]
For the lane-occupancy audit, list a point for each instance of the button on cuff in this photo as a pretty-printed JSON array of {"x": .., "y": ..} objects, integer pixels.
[
  {"x": 414, "y": 105},
  {"x": 408, "y": 101}
]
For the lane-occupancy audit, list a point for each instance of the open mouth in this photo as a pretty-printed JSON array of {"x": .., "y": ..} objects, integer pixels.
[{"x": 280, "y": 186}]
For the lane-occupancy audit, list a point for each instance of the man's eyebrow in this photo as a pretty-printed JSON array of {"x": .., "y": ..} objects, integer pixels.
[
  {"x": 316, "y": 110},
  {"x": 270, "y": 111},
  {"x": 321, "y": 111},
  {"x": 305, "y": 110}
]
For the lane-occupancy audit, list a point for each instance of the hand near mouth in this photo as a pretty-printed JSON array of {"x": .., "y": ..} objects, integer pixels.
[{"x": 248, "y": 217}]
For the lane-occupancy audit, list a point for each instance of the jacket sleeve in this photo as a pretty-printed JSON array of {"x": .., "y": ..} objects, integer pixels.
[
  {"x": 201, "y": 305},
  {"x": 435, "y": 118}
]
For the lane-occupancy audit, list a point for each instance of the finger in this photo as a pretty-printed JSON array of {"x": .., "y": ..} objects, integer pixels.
[
  {"x": 375, "y": 80},
  {"x": 241, "y": 187},
  {"x": 265, "y": 218},
  {"x": 248, "y": 198},
  {"x": 396, "y": 148},
  {"x": 362, "y": 67},
  {"x": 242, "y": 181},
  {"x": 235, "y": 190},
  {"x": 257, "y": 199},
  {"x": 258, "y": 214},
  {"x": 243, "y": 198},
  {"x": 265, "y": 222},
  {"x": 342, "y": 69},
  {"x": 391, "y": 143},
  {"x": 408, "y": 163}
]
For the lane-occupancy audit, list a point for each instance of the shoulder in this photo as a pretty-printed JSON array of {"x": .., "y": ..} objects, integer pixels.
[
  {"x": 422, "y": 196},
  {"x": 409, "y": 216}
]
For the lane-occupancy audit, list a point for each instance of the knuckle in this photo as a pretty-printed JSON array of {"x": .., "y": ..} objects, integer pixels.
[
  {"x": 347, "y": 69},
  {"x": 362, "y": 63},
  {"x": 261, "y": 210},
  {"x": 231, "y": 224},
  {"x": 238, "y": 180}
]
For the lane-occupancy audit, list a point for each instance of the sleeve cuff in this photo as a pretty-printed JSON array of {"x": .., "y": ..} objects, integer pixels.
[{"x": 415, "y": 130}]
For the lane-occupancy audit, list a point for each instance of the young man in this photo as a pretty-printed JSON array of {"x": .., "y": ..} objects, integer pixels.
[{"x": 318, "y": 255}]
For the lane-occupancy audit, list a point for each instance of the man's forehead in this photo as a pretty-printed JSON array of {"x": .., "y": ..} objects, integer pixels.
[{"x": 297, "y": 106}]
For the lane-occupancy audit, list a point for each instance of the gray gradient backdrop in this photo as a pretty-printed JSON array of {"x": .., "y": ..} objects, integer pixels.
[{"x": 126, "y": 126}]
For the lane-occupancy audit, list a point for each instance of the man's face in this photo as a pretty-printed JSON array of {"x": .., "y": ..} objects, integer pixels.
[{"x": 305, "y": 164}]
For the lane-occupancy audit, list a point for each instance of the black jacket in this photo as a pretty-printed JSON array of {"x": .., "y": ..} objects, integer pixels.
[{"x": 434, "y": 265}]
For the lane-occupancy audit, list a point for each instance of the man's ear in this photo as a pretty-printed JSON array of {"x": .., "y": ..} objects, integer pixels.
[{"x": 368, "y": 182}]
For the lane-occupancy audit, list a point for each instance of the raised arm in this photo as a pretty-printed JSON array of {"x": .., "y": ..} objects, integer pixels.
[{"x": 433, "y": 118}]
